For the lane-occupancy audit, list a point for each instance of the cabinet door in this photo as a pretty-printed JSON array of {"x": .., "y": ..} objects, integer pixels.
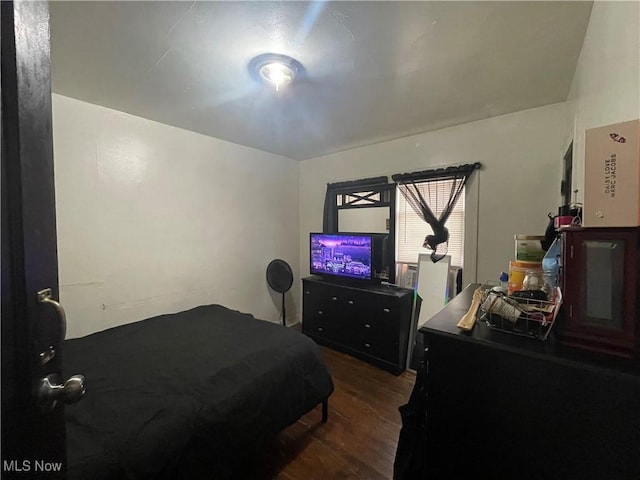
[{"x": 600, "y": 284}]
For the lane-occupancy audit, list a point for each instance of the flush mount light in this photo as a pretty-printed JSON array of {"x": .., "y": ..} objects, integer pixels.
[{"x": 275, "y": 70}]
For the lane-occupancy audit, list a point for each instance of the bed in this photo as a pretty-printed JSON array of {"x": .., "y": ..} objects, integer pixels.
[{"x": 187, "y": 395}]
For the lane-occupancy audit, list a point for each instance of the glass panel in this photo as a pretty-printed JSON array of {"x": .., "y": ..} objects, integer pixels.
[
  {"x": 362, "y": 198},
  {"x": 370, "y": 220},
  {"x": 604, "y": 277}
]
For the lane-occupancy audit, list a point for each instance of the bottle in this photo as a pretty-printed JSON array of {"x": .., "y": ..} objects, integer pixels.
[{"x": 504, "y": 281}]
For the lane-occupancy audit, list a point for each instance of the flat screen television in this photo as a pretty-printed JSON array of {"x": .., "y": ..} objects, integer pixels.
[{"x": 346, "y": 255}]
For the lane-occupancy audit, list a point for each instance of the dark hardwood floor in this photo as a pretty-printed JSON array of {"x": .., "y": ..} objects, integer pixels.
[{"x": 359, "y": 440}]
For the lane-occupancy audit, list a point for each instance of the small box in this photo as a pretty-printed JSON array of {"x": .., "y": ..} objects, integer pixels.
[
  {"x": 529, "y": 248},
  {"x": 612, "y": 176}
]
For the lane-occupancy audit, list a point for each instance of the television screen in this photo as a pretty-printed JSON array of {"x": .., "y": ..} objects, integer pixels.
[{"x": 341, "y": 254}]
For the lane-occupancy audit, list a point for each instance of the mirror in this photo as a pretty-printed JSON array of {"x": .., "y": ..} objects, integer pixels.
[{"x": 433, "y": 281}]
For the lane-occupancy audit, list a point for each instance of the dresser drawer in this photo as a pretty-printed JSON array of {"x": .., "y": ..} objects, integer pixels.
[
  {"x": 317, "y": 324},
  {"x": 379, "y": 347}
]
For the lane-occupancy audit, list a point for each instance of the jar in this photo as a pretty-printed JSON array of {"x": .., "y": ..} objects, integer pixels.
[
  {"x": 533, "y": 280},
  {"x": 517, "y": 272}
]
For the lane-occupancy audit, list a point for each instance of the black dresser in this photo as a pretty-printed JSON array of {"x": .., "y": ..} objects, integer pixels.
[
  {"x": 370, "y": 322},
  {"x": 502, "y": 406}
]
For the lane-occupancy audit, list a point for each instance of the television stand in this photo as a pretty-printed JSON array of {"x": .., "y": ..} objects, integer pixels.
[{"x": 368, "y": 321}]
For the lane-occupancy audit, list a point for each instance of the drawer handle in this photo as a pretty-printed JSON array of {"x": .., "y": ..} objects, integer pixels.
[
  {"x": 366, "y": 325},
  {"x": 320, "y": 329},
  {"x": 367, "y": 345},
  {"x": 350, "y": 302},
  {"x": 386, "y": 310},
  {"x": 334, "y": 298},
  {"x": 319, "y": 312}
]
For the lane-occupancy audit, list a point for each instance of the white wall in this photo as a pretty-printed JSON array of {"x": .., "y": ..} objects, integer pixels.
[
  {"x": 154, "y": 219},
  {"x": 606, "y": 83},
  {"x": 518, "y": 185}
]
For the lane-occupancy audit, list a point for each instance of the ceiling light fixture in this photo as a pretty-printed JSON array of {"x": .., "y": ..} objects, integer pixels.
[{"x": 275, "y": 69}]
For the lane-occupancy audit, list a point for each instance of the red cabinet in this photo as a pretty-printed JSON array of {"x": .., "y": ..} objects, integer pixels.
[{"x": 600, "y": 287}]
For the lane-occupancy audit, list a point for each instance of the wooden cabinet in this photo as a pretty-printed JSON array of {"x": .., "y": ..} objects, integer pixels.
[
  {"x": 370, "y": 322},
  {"x": 600, "y": 287}
]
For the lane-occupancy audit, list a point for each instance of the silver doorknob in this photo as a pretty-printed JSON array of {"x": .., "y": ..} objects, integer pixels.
[{"x": 50, "y": 391}]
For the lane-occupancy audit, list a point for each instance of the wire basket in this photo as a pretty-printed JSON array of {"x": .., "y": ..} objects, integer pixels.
[{"x": 519, "y": 316}]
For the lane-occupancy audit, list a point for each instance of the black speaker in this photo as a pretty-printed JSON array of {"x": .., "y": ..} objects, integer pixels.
[{"x": 280, "y": 279}]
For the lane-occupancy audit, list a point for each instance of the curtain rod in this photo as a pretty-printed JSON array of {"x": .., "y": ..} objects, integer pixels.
[
  {"x": 442, "y": 172},
  {"x": 365, "y": 182}
]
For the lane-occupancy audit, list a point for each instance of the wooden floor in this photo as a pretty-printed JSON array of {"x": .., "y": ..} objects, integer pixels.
[{"x": 359, "y": 440}]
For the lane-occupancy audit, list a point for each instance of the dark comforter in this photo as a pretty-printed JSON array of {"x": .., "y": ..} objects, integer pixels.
[{"x": 186, "y": 395}]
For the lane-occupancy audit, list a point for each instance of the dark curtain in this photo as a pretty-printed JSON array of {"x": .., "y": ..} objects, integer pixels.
[
  {"x": 408, "y": 184},
  {"x": 330, "y": 216}
]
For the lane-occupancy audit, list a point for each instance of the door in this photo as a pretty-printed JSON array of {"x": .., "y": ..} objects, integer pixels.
[{"x": 33, "y": 433}]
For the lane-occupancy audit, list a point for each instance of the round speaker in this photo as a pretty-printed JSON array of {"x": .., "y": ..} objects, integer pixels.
[{"x": 279, "y": 275}]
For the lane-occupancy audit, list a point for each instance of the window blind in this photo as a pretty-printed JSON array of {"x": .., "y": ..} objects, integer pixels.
[{"x": 412, "y": 230}]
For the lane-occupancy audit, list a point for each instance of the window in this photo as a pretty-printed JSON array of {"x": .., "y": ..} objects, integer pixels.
[
  {"x": 411, "y": 230},
  {"x": 366, "y": 206}
]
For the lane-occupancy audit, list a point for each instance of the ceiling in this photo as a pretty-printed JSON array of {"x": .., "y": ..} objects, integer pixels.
[{"x": 374, "y": 71}]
